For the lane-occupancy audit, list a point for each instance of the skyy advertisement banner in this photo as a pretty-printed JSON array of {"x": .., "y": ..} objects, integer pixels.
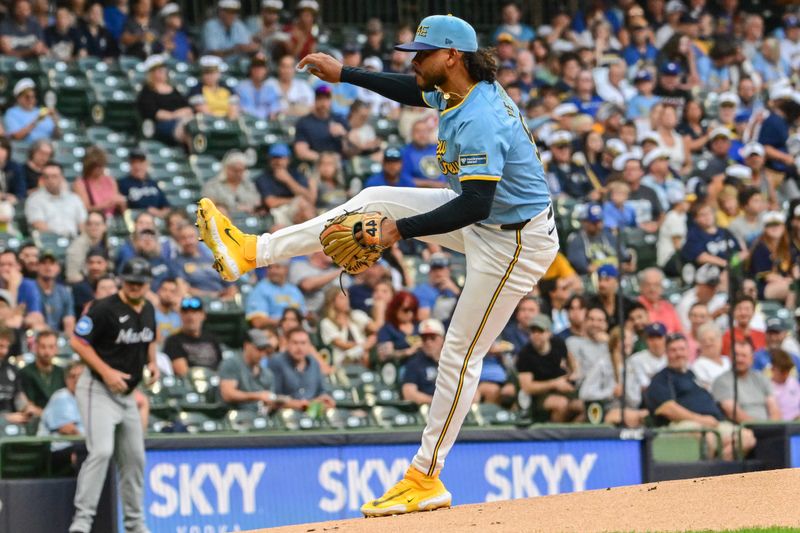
[{"x": 223, "y": 490}]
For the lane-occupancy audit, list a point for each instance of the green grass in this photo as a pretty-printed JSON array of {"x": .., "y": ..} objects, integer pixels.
[{"x": 773, "y": 529}]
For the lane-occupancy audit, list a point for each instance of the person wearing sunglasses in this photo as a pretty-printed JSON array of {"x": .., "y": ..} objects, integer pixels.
[{"x": 190, "y": 346}]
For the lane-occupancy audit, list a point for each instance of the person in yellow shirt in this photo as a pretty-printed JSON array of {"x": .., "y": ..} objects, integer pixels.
[
  {"x": 209, "y": 97},
  {"x": 561, "y": 268}
]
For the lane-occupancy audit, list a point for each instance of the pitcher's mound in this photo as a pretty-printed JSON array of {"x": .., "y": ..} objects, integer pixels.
[{"x": 725, "y": 502}]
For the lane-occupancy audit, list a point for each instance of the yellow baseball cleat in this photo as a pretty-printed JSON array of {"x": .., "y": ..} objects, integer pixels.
[
  {"x": 234, "y": 251},
  {"x": 415, "y": 492}
]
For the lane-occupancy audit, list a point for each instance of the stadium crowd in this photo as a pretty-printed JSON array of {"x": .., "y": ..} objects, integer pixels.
[{"x": 668, "y": 134}]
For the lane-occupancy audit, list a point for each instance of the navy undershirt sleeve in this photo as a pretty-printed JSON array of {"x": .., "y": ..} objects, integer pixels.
[
  {"x": 472, "y": 205},
  {"x": 401, "y": 88}
]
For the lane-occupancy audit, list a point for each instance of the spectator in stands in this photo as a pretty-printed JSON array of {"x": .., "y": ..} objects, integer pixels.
[
  {"x": 607, "y": 297},
  {"x": 28, "y": 257},
  {"x": 271, "y": 296},
  {"x": 258, "y": 98},
  {"x": 265, "y": 27},
  {"x": 296, "y": 95},
  {"x": 707, "y": 243},
  {"x": 705, "y": 291},
  {"x": 226, "y": 35},
  {"x": 173, "y": 40},
  {"x": 20, "y": 34},
  {"x": 290, "y": 319},
  {"x": 190, "y": 346},
  {"x": 547, "y": 373},
  {"x": 95, "y": 36},
  {"x": 593, "y": 245},
  {"x": 710, "y": 363},
  {"x": 10, "y": 392},
  {"x": 232, "y": 190},
  {"x": 391, "y": 171},
  {"x": 517, "y": 330},
  {"x": 61, "y": 417},
  {"x": 194, "y": 265},
  {"x": 717, "y": 160},
  {"x": 298, "y": 374},
  {"x": 361, "y": 139},
  {"x": 95, "y": 267},
  {"x": 645, "y": 364},
  {"x": 139, "y": 33},
  {"x": 755, "y": 398},
  {"x": 146, "y": 245},
  {"x": 162, "y": 103},
  {"x": 555, "y": 293},
  {"x": 617, "y": 213},
  {"x": 95, "y": 187},
  {"x": 743, "y": 311},
  {"x": 143, "y": 221},
  {"x": 698, "y": 315},
  {"x": 38, "y": 381},
  {"x": 39, "y": 154},
  {"x": 651, "y": 285},
  {"x": 287, "y": 193},
  {"x": 774, "y": 132},
  {"x": 511, "y": 16},
  {"x": 93, "y": 236},
  {"x": 668, "y": 187},
  {"x": 13, "y": 188},
  {"x": 785, "y": 386},
  {"x": 26, "y": 121},
  {"x": 598, "y": 378},
  {"x": 576, "y": 314},
  {"x": 565, "y": 175},
  {"x": 347, "y": 333},
  {"x": 57, "y": 303},
  {"x": 114, "y": 15},
  {"x": 418, "y": 379},
  {"x": 176, "y": 219},
  {"x": 642, "y": 198},
  {"x": 777, "y": 338},
  {"x": 675, "y": 399},
  {"x": 399, "y": 336},
  {"x": 139, "y": 189},
  {"x": 302, "y": 40},
  {"x": 437, "y": 297},
  {"x": 770, "y": 261},
  {"x": 63, "y": 38},
  {"x": 750, "y": 222},
  {"x": 168, "y": 319},
  {"x": 319, "y": 131},
  {"x": 419, "y": 158},
  {"x": 209, "y": 97},
  {"x": 376, "y": 45},
  {"x": 314, "y": 277},
  {"x": 243, "y": 382},
  {"x": 53, "y": 208}
]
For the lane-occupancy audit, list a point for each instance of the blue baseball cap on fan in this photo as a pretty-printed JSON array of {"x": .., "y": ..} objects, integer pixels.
[{"x": 442, "y": 31}]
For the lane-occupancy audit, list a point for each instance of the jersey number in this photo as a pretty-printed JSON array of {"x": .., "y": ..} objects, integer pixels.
[
  {"x": 530, "y": 137},
  {"x": 372, "y": 228}
]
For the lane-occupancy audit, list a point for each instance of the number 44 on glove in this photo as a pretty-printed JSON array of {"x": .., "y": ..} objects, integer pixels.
[{"x": 353, "y": 240}]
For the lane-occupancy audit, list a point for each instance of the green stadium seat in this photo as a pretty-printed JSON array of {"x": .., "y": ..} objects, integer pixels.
[
  {"x": 13, "y": 69},
  {"x": 215, "y": 136},
  {"x": 342, "y": 418},
  {"x": 643, "y": 244},
  {"x": 389, "y": 417},
  {"x": 225, "y": 320},
  {"x": 489, "y": 414},
  {"x": 294, "y": 420},
  {"x": 345, "y": 397},
  {"x": 73, "y": 95},
  {"x": 25, "y": 460},
  {"x": 245, "y": 421},
  {"x": 197, "y": 422},
  {"x": 9, "y": 241},
  {"x": 51, "y": 242}
]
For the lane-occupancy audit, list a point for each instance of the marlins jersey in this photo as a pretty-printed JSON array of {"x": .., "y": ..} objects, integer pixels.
[{"x": 484, "y": 137}]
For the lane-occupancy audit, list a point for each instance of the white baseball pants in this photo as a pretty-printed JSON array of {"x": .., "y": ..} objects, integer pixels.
[{"x": 502, "y": 267}]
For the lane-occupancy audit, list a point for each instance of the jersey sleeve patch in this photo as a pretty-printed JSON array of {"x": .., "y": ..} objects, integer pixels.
[
  {"x": 84, "y": 326},
  {"x": 473, "y": 160}
]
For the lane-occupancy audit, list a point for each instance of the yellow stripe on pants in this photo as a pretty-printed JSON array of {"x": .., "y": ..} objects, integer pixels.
[{"x": 499, "y": 288}]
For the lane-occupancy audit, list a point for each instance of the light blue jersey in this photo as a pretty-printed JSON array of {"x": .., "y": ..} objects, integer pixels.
[{"x": 485, "y": 138}]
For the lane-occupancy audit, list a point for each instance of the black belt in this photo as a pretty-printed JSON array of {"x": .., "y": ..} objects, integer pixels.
[{"x": 519, "y": 225}]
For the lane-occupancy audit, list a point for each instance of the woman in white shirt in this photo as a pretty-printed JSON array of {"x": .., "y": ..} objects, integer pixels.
[
  {"x": 296, "y": 95},
  {"x": 348, "y": 333},
  {"x": 679, "y": 157}
]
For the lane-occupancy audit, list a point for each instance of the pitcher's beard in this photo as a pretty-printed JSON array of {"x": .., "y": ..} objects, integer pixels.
[{"x": 430, "y": 83}]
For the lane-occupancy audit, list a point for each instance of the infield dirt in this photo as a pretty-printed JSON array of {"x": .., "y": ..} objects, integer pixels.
[{"x": 716, "y": 503}]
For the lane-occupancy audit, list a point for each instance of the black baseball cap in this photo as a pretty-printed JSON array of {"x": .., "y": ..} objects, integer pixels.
[
  {"x": 392, "y": 154},
  {"x": 191, "y": 303},
  {"x": 136, "y": 270},
  {"x": 257, "y": 337},
  {"x": 137, "y": 153}
]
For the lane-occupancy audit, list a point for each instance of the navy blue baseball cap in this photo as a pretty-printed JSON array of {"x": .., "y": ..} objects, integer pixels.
[
  {"x": 671, "y": 69},
  {"x": 442, "y": 31},
  {"x": 643, "y": 75},
  {"x": 392, "y": 154},
  {"x": 656, "y": 329},
  {"x": 608, "y": 271},
  {"x": 279, "y": 150},
  {"x": 594, "y": 213}
]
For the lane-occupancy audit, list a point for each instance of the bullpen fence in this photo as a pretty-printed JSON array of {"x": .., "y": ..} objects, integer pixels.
[{"x": 205, "y": 484}]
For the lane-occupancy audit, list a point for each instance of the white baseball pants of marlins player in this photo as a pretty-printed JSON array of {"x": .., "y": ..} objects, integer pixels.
[{"x": 503, "y": 265}]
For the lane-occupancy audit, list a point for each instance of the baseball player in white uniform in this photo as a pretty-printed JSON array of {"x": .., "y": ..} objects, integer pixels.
[{"x": 497, "y": 212}]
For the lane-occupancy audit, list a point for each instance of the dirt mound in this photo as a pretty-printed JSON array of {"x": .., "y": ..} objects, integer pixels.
[{"x": 739, "y": 500}]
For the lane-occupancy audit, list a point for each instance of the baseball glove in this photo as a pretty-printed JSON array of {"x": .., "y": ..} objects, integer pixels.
[{"x": 340, "y": 243}]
